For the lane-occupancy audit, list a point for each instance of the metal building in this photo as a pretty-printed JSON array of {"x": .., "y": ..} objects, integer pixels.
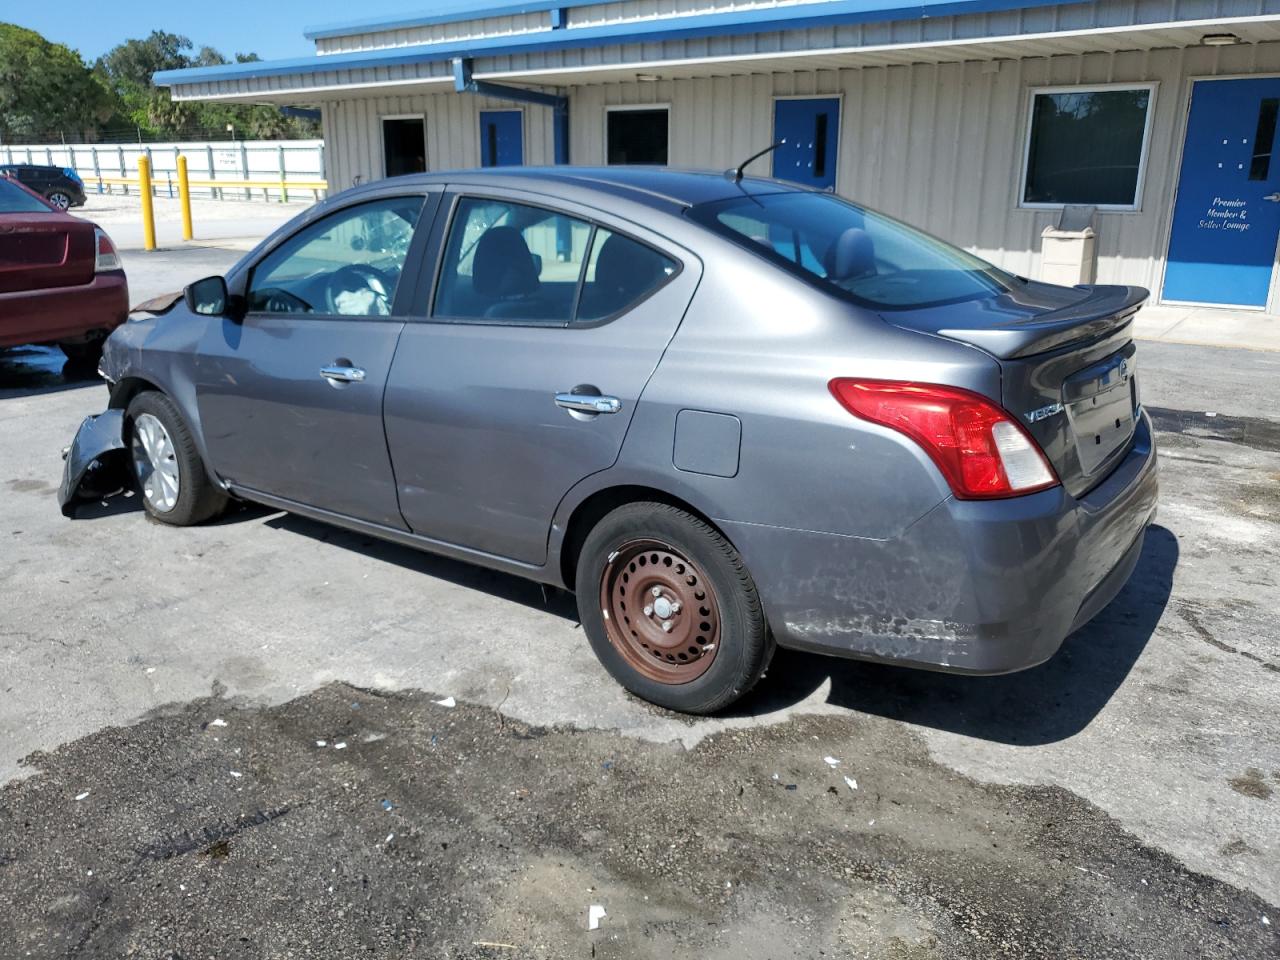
[{"x": 977, "y": 120}]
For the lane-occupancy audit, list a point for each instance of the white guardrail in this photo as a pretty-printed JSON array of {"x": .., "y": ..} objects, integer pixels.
[{"x": 254, "y": 160}]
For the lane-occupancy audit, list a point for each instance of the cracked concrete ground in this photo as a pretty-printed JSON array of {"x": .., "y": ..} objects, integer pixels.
[
  {"x": 214, "y": 829},
  {"x": 1147, "y": 750}
]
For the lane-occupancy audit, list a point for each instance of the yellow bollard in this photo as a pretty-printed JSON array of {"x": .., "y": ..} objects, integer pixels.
[
  {"x": 184, "y": 198},
  {"x": 148, "y": 212}
]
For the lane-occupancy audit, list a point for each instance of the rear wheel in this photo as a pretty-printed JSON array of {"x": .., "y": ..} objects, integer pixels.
[
  {"x": 670, "y": 609},
  {"x": 59, "y": 198},
  {"x": 170, "y": 475}
]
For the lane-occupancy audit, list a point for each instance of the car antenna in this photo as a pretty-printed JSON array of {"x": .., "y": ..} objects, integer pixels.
[{"x": 735, "y": 174}]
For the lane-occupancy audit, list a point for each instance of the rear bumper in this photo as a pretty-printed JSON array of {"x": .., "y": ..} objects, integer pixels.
[
  {"x": 64, "y": 313},
  {"x": 972, "y": 587}
]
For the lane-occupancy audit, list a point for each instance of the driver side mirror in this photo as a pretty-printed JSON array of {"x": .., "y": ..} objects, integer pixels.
[{"x": 209, "y": 298}]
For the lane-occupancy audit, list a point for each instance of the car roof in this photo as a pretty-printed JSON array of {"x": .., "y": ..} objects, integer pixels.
[{"x": 660, "y": 187}]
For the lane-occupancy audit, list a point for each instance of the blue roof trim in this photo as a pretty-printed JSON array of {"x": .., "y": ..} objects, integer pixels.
[{"x": 770, "y": 19}]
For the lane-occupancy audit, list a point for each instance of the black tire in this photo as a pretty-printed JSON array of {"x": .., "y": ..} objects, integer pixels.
[
  {"x": 84, "y": 352},
  {"x": 59, "y": 198},
  {"x": 744, "y": 642},
  {"x": 198, "y": 499}
]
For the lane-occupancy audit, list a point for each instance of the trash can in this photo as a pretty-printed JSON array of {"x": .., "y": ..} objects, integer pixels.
[{"x": 1067, "y": 249}]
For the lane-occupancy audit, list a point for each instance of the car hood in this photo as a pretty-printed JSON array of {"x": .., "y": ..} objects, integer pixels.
[{"x": 158, "y": 305}]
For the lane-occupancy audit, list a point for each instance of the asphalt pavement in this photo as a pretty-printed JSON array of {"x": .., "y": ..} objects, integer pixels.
[{"x": 1121, "y": 800}]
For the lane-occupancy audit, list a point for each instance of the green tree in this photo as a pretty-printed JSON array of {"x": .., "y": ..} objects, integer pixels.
[
  {"x": 133, "y": 62},
  {"x": 129, "y": 69},
  {"x": 46, "y": 88}
]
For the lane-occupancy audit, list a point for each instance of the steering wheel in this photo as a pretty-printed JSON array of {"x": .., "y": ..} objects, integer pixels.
[
  {"x": 279, "y": 300},
  {"x": 356, "y": 278}
]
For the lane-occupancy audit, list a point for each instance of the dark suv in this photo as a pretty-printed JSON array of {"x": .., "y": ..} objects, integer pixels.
[{"x": 61, "y": 186}]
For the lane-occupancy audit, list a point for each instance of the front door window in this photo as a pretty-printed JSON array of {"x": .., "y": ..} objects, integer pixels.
[{"x": 347, "y": 264}]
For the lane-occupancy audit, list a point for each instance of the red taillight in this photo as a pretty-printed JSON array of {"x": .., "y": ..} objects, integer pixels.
[
  {"x": 105, "y": 256},
  {"x": 981, "y": 450}
]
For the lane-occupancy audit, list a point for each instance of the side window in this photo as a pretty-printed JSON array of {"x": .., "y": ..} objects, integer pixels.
[
  {"x": 508, "y": 261},
  {"x": 348, "y": 263},
  {"x": 620, "y": 273}
]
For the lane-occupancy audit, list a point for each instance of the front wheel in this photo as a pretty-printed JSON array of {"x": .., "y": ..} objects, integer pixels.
[
  {"x": 170, "y": 475},
  {"x": 670, "y": 609}
]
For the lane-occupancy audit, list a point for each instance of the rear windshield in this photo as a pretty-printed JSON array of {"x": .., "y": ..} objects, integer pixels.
[
  {"x": 859, "y": 254},
  {"x": 13, "y": 199}
]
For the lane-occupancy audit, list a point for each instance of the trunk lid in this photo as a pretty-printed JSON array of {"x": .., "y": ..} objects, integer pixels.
[
  {"x": 39, "y": 251},
  {"x": 1066, "y": 358}
]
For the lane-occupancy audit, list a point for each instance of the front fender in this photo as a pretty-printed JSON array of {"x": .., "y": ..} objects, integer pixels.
[{"x": 95, "y": 463}]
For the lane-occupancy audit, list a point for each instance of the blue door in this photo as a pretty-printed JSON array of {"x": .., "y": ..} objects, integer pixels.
[
  {"x": 501, "y": 138},
  {"x": 1226, "y": 219},
  {"x": 811, "y": 129}
]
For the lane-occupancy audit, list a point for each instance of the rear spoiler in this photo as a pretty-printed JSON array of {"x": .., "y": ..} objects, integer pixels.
[{"x": 1103, "y": 312}]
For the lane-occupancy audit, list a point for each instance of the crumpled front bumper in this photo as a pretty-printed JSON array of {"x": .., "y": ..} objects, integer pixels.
[{"x": 95, "y": 462}]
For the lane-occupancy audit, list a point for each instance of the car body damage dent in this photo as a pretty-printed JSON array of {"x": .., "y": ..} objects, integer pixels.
[
  {"x": 159, "y": 305},
  {"x": 95, "y": 462}
]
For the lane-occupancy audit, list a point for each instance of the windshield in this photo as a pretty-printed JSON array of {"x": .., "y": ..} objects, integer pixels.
[
  {"x": 13, "y": 199},
  {"x": 863, "y": 255}
]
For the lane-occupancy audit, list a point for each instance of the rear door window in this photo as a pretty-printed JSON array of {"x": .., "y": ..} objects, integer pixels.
[
  {"x": 511, "y": 262},
  {"x": 620, "y": 273},
  {"x": 507, "y": 262}
]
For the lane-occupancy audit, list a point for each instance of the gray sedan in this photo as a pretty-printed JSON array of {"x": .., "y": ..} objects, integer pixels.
[{"x": 727, "y": 413}]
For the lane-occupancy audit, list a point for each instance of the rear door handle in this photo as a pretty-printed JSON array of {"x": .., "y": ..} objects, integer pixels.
[
  {"x": 588, "y": 403},
  {"x": 340, "y": 374}
]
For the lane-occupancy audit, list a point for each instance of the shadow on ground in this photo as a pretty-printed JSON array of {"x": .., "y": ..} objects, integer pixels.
[
  {"x": 502, "y": 585},
  {"x": 1048, "y": 703},
  {"x": 1045, "y": 704},
  {"x": 33, "y": 369}
]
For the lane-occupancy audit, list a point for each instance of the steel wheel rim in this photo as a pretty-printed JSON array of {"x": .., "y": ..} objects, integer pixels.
[
  {"x": 156, "y": 463},
  {"x": 647, "y": 584}
]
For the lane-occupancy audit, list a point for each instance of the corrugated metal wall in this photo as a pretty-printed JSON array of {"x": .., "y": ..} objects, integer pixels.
[
  {"x": 599, "y": 14},
  {"x": 353, "y": 132},
  {"x": 436, "y": 33},
  {"x": 939, "y": 145}
]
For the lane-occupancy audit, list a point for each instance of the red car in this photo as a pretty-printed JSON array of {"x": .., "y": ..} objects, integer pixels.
[{"x": 61, "y": 280}]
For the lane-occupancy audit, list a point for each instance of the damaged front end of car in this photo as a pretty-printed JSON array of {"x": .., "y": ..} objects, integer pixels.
[{"x": 95, "y": 465}]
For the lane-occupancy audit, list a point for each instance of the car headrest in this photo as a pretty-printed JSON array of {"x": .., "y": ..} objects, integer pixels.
[
  {"x": 503, "y": 266},
  {"x": 626, "y": 269},
  {"x": 852, "y": 255}
]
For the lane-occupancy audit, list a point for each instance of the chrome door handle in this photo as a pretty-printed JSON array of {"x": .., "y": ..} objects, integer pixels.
[
  {"x": 1273, "y": 197},
  {"x": 588, "y": 403},
  {"x": 342, "y": 374}
]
